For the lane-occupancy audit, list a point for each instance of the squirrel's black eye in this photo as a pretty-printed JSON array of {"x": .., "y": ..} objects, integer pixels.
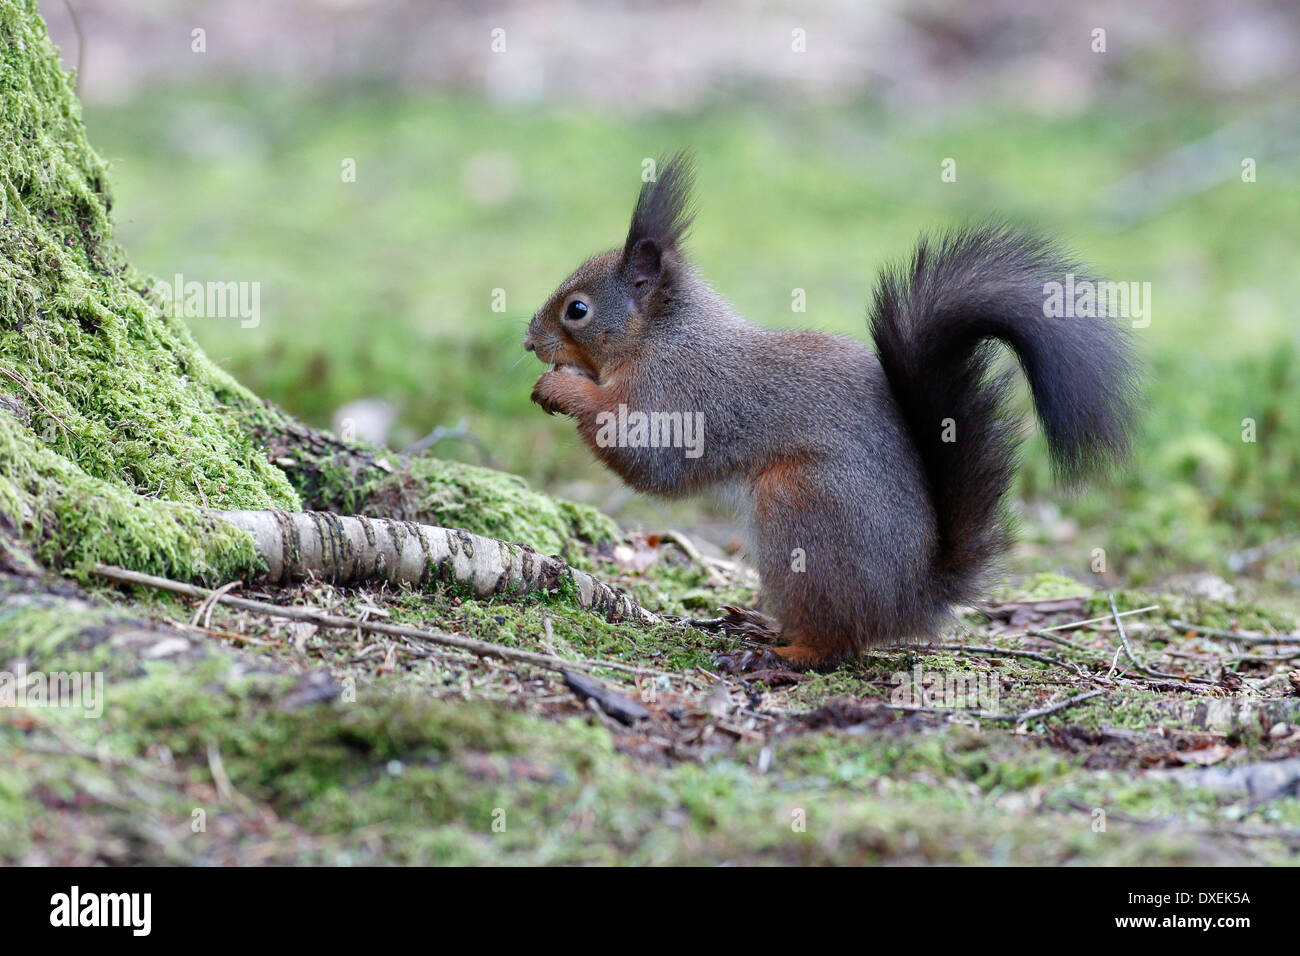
[{"x": 577, "y": 311}]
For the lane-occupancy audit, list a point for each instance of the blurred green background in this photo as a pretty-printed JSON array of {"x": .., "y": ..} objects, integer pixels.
[{"x": 478, "y": 171}]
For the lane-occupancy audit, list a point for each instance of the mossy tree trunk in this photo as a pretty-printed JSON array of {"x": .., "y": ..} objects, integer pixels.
[{"x": 117, "y": 433}]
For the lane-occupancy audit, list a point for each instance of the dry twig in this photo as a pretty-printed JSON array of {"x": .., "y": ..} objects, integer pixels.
[
  {"x": 323, "y": 619},
  {"x": 1150, "y": 671}
]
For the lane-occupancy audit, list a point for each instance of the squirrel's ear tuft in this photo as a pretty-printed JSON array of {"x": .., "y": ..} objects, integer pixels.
[{"x": 663, "y": 209}]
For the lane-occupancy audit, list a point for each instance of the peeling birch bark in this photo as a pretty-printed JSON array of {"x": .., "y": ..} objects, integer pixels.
[{"x": 364, "y": 550}]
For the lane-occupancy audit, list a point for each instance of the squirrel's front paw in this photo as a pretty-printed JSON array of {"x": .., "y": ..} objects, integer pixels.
[{"x": 547, "y": 394}]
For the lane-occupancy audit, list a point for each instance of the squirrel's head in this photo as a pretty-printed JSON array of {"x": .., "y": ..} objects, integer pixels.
[{"x": 601, "y": 313}]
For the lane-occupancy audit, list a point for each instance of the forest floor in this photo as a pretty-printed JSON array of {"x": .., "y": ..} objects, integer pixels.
[
  {"x": 228, "y": 736},
  {"x": 1036, "y": 733}
]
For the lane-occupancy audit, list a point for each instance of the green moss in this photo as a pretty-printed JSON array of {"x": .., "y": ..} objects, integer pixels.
[
  {"x": 676, "y": 586},
  {"x": 116, "y": 427},
  {"x": 397, "y": 775},
  {"x": 1238, "y": 614},
  {"x": 73, "y": 519},
  {"x": 575, "y": 632},
  {"x": 484, "y": 501},
  {"x": 36, "y": 627},
  {"x": 1046, "y": 584}
]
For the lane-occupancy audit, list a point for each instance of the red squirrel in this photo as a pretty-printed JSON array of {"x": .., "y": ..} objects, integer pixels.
[{"x": 872, "y": 481}]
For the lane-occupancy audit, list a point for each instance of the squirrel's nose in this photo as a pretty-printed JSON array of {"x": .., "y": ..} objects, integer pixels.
[{"x": 528, "y": 343}]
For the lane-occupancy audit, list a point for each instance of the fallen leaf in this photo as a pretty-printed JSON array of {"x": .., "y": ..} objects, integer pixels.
[{"x": 637, "y": 552}]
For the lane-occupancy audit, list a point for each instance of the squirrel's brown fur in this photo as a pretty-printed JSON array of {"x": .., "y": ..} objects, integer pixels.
[{"x": 873, "y": 481}]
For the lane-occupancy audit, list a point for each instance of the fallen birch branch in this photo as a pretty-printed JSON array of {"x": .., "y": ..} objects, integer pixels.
[{"x": 358, "y": 550}]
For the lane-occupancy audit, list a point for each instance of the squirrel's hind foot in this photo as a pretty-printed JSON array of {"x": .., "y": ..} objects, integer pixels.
[
  {"x": 803, "y": 657},
  {"x": 792, "y": 657}
]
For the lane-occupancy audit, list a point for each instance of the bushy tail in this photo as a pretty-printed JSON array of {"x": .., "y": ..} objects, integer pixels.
[{"x": 935, "y": 322}]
